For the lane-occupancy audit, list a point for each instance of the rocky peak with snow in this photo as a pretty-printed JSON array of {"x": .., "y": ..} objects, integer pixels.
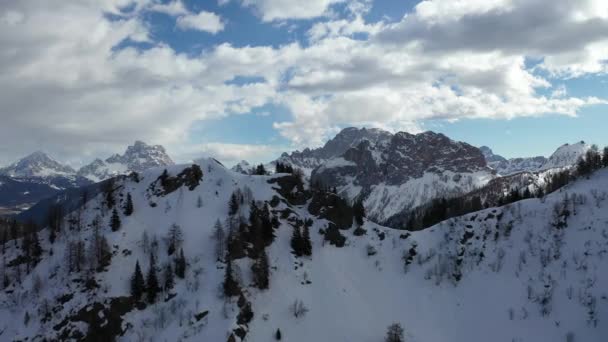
[
  {"x": 566, "y": 155},
  {"x": 349, "y": 137},
  {"x": 490, "y": 156},
  {"x": 406, "y": 170},
  {"x": 137, "y": 158},
  {"x": 37, "y": 164}
]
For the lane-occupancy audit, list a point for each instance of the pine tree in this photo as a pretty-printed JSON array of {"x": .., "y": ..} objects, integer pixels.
[
  {"x": 152, "y": 281},
  {"x": 605, "y": 157},
  {"x": 261, "y": 271},
  {"x": 277, "y": 335},
  {"x": 231, "y": 286},
  {"x": 115, "y": 221},
  {"x": 394, "y": 333},
  {"x": 129, "y": 205},
  {"x": 180, "y": 265},
  {"x": 199, "y": 202},
  {"x": 306, "y": 243},
  {"x": 174, "y": 238},
  {"x": 233, "y": 205},
  {"x": 359, "y": 212},
  {"x": 169, "y": 281},
  {"x": 220, "y": 241},
  {"x": 36, "y": 249},
  {"x": 137, "y": 283},
  {"x": 296, "y": 242}
]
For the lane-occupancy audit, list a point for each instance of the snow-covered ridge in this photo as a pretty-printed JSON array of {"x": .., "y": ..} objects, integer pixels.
[{"x": 531, "y": 271}]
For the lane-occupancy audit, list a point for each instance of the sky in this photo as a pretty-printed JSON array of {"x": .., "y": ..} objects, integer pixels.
[{"x": 249, "y": 79}]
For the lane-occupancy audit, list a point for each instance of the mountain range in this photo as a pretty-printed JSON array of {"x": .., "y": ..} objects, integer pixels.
[
  {"x": 38, "y": 176},
  {"x": 224, "y": 256}
]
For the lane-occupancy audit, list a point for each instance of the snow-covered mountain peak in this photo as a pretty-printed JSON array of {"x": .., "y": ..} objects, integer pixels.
[
  {"x": 566, "y": 155},
  {"x": 309, "y": 159},
  {"x": 37, "y": 164},
  {"x": 406, "y": 171},
  {"x": 137, "y": 158}
]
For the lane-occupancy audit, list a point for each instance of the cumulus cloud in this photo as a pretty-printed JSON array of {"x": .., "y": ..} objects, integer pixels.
[
  {"x": 71, "y": 91},
  {"x": 203, "y": 21},
  {"x": 271, "y": 10}
]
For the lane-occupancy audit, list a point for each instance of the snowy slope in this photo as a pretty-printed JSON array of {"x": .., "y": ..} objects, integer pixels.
[{"x": 486, "y": 276}]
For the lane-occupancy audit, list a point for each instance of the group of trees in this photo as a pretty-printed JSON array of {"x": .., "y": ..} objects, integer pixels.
[
  {"x": 301, "y": 244},
  {"x": 283, "y": 168},
  {"x": 592, "y": 160},
  {"x": 152, "y": 285},
  {"x": 245, "y": 238}
]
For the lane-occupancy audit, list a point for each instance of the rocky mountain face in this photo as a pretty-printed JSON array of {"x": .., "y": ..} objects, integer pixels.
[
  {"x": 137, "y": 158},
  {"x": 308, "y": 159},
  {"x": 402, "y": 171}
]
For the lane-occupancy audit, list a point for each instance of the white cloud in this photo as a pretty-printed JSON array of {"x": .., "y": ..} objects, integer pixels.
[
  {"x": 173, "y": 8},
  {"x": 271, "y": 10},
  {"x": 69, "y": 91},
  {"x": 203, "y": 21}
]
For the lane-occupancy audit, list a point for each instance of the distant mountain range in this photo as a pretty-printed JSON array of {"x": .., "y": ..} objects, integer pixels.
[
  {"x": 391, "y": 173},
  {"x": 38, "y": 176}
]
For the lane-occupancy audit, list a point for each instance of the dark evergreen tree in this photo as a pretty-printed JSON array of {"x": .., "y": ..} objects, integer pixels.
[
  {"x": 261, "y": 271},
  {"x": 306, "y": 242},
  {"x": 174, "y": 238},
  {"x": 180, "y": 265},
  {"x": 152, "y": 285},
  {"x": 233, "y": 205},
  {"x": 394, "y": 333},
  {"x": 359, "y": 212},
  {"x": 296, "y": 242},
  {"x": 605, "y": 157},
  {"x": 231, "y": 286},
  {"x": 129, "y": 205},
  {"x": 277, "y": 335},
  {"x": 220, "y": 241},
  {"x": 115, "y": 221},
  {"x": 260, "y": 170},
  {"x": 169, "y": 281},
  {"x": 138, "y": 286}
]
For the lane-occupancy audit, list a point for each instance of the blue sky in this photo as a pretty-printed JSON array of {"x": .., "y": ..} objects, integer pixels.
[{"x": 249, "y": 79}]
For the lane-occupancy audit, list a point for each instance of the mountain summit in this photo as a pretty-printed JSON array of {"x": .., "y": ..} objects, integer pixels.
[
  {"x": 309, "y": 159},
  {"x": 403, "y": 170},
  {"x": 37, "y": 164},
  {"x": 137, "y": 158}
]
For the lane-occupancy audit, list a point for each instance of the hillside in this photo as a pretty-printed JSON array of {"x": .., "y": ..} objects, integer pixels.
[{"x": 530, "y": 271}]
